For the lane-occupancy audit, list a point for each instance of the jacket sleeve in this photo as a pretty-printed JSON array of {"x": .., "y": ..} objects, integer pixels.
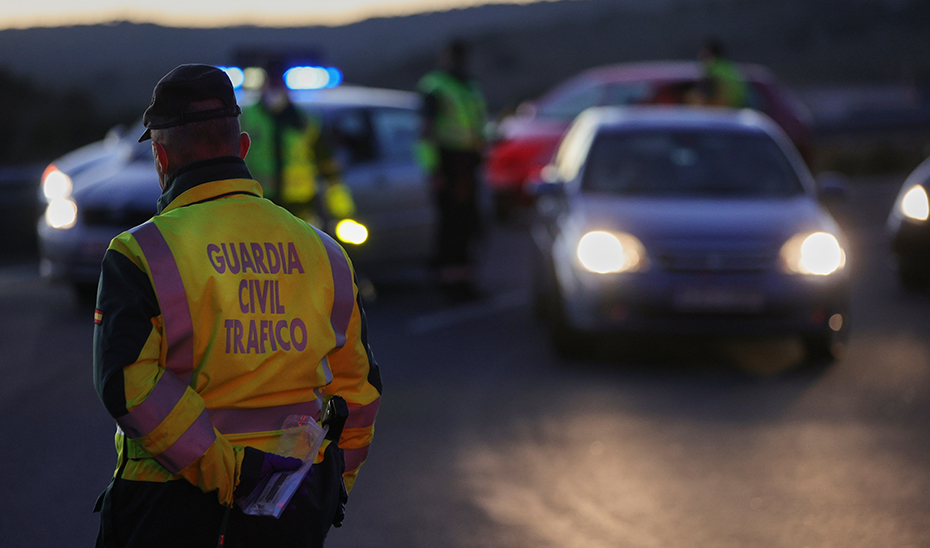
[
  {"x": 163, "y": 418},
  {"x": 357, "y": 378}
]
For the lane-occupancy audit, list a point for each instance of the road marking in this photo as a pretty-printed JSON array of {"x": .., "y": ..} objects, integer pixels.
[{"x": 468, "y": 312}]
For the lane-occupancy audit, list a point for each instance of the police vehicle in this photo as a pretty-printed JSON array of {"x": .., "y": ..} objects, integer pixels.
[{"x": 100, "y": 190}]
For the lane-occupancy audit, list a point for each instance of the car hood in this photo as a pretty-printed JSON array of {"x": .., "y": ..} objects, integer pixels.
[
  {"x": 532, "y": 127},
  {"x": 688, "y": 221},
  {"x": 135, "y": 186}
]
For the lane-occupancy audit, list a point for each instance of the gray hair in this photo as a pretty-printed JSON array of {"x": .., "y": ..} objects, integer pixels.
[{"x": 201, "y": 140}]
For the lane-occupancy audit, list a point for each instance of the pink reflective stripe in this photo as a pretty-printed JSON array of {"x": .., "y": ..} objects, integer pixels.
[
  {"x": 262, "y": 419},
  {"x": 163, "y": 398},
  {"x": 363, "y": 416},
  {"x": 172, "y": 299},
  {"x": 190, "y": 446},
  {"x": 343, "y": 288},
  {"x": 355, "y": 457},
  {"x": 327, "y": 370}
]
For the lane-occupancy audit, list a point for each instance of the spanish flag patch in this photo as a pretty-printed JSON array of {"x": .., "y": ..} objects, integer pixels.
[{"x": 98, "y": 317}]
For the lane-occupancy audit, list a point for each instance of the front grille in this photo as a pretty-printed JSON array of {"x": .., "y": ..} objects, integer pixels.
[
  {"x": 122, "y": 219},
  {"x": 716, "y": 261}
]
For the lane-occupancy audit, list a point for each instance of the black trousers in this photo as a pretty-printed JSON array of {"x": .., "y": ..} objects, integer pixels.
[
  {"x": 456, "y": 199},
  {"x": 176, "y": 514}
]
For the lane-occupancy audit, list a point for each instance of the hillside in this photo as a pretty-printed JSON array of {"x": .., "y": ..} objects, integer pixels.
[{"x": 520, "y": 50}]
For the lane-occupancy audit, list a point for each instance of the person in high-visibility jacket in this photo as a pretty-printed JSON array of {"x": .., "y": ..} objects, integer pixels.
[
  {"x": 216, "y": 320},
  {"x": 451, "y": 150},
  {"x": 290, "y": 154},
  {"x": 724, "y": 85}
]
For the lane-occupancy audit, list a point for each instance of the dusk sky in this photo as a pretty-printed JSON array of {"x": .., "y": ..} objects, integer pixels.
[{"x": 211, "y": 13}]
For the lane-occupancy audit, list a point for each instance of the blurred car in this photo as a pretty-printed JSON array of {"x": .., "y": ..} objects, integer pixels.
[
  {"x": 682, "y": 221},
  {"x": 527, "y": 140},
  {"x": 96, "y": 192},
  {"x": 910, "y": 229}
]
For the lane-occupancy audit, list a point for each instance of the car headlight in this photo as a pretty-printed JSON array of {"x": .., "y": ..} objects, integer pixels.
[
  {"x": 819, "y": 254},
  {"x": 351, "y": 232},
  {"x": 61, "y": 213},
  {"x": 915, "y": 205},
  {"x": 606, "y": 252},
  {"x": 55, "y": 184}
]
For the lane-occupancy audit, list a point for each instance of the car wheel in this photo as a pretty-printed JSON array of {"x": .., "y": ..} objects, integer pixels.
[
  {"x": 914, "y": 275},
  {"x": 542, "y": 285},
  {"x": 567, "y": 341},
  {"x": 824, "y": 348}
]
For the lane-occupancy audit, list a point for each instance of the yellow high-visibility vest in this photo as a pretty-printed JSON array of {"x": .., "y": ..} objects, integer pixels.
[{"x": 259, "y": 320}]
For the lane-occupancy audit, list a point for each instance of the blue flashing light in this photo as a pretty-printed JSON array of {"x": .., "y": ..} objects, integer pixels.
[
  {"x": 236, "y": 75},
  {"x": 300, "y": 78},
  {"x": 335, "y": 77}
]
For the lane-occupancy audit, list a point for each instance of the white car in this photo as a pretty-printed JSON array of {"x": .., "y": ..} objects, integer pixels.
[{"x": 100, "y": 190}]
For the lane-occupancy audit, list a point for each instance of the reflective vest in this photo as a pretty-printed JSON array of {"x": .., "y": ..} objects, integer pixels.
[
  {"x": 298, "y": 170},
  {"x": 730, "y": 88},
  {"x": 459, "y": 122},
  {"x": 258, "y": 320},
  {"x": 295, "y": 184}
]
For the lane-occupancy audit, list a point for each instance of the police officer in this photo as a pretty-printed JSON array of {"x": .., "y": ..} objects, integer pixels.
[
  {"x": 290, "y": 152},
  {"x": 451, "y": 151},
  {"x": 216, "y": 320},
  {"x": 724, "y": 84}
]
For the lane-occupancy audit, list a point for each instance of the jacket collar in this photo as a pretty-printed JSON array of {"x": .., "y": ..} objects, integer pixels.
[{"x": 204, "y": 171}]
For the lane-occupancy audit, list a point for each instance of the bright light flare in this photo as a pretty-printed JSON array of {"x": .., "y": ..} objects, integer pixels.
[
  {"x": 312, "y": 77},
  {"x": 253, "y": 78},
  {"x": 915, "y": 204},
  {"x": 55, "y": 184},
  {"x": 603, "y": 252},
  {"x": 351, "y": 232},
  {"x": 818, "y": 254},
  {"x": 236, "y": 76},
  {"x": 61, "y": 213}
]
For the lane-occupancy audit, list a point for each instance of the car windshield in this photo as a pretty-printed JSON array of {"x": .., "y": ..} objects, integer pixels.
[
  {"x": 689, "y": 163},
  {"x": 568, "y": 104}
]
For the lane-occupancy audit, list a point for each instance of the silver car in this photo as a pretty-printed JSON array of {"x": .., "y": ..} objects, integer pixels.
[
  {"x": 100, "y": 190},
  {"x": 686, "y": 221}
]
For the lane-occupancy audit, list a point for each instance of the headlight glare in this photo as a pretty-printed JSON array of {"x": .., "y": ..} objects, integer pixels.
[
  {"x": 605, "y": 252},
  {"x": 351, "y": 232},
  {"x": 61, "y": 213},
  {"x": 818, "y": 254},
  {"x": 55, "y": 184},
  {"x": 915, "y": 204}
]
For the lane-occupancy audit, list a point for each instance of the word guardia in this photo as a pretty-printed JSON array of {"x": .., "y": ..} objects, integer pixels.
[
  {"x": 258, "y": 336},
  {"x": 253, "y": 256}
]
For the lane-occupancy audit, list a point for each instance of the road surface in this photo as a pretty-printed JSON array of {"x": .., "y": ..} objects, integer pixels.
[{"x": 487, "y": 439}]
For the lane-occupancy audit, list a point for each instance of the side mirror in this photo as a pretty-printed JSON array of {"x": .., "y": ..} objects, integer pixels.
[{"x": 832, "y": 188}]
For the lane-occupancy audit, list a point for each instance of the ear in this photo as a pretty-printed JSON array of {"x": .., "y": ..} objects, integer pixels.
[
  {"x": 161, "y": 158},
  {"x": 244, "y": 143}
]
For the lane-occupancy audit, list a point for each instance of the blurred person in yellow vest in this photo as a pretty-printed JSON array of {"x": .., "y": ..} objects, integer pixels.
[
  {"x": 724, "y": 84},
  {"x": 290, "y": 154},
  {"x": 451, "y": 150}
]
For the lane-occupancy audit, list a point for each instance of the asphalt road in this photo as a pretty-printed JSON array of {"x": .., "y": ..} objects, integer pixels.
[{"x": 486, "y": 439}]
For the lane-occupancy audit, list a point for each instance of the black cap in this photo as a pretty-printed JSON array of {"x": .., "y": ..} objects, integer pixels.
[{"x": 180, "y": 87}]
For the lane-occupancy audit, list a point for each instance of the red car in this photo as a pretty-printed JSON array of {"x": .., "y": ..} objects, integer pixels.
[{"x": 527, "y": 140}]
